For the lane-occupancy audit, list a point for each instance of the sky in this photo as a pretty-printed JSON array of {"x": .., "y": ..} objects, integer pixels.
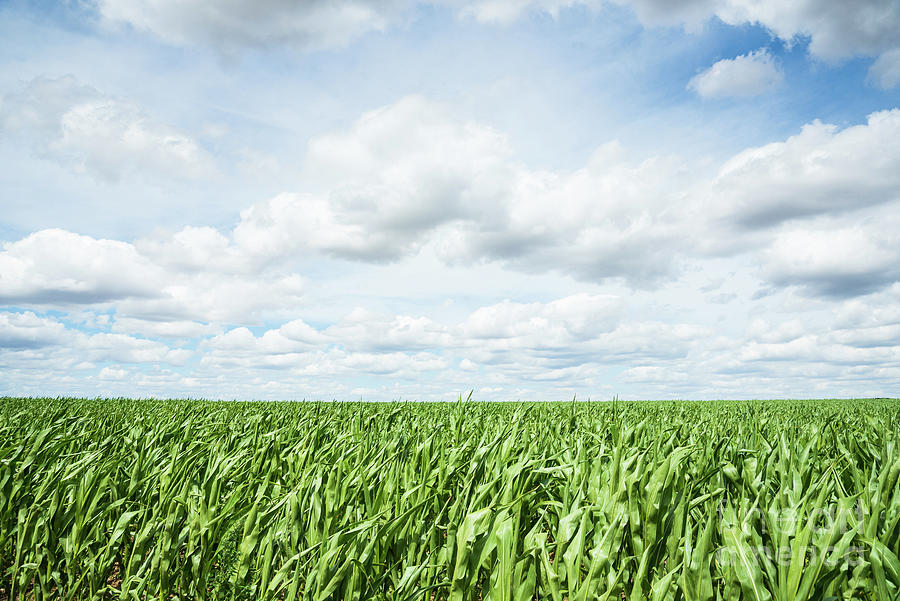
[{"x": 400, "y": 199}]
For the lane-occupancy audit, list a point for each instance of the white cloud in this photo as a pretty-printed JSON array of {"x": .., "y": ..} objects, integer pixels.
[
  {"x": 424, "y": 219},
  {"x": 112, "y": 373},
  {"x": 746, "y": 75},
  {"x": 556, "y": 325},
  {"x": 193, "y": 249},
  {"x": 560, "y": 340},
  {"x": 555, "y": 348},
  {"x": 323, "y": 355},
  {"x": 821, "y": 170},
  {"x": 94, "y": 133},
  {"x": 873, "y": 312},
  {"x": 873, "y": 320},
  {"x": 292, "y": 337},
  {"x": 505, "y": 12},
  {"x": 885, "y": 72},
  {"x": 609, "y": 219},
  {"x": 40, "y": 342},
  {"x": 839, "y": 262},
  {"x": 219, "y": 297},
  {"x": 467, "y": 365},
  {"x": 369, "y": 331},
  {"x": 836, "y": 29},
  {"x": 235, "y": 25},
  {"x": 401, "y": 365},
  {"x": 58, "y": 267},
  {"x": 109, "y": 137},
  {"x": 869, "y": 337},
  {"x": 397, "y": 174},
  {"x": 691, "y": 13},
  {"x": 761, "y": 330},
  {"x": 183, "y": 329},
  {"x": 816, "y": 349},
  {"x": 411, "y": 172},
  {"x": 127, "y": 349},
  {"x": 454, "y": 184},
  {"x": 27, "y": 330},
  {"x": 654, "y": 373},
  {"x": 559, "y": 323}
]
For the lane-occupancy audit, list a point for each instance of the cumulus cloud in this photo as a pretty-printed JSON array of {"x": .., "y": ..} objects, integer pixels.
[
  {"x": 557, "y": 323},
  {"x": 505, "y": 12},
  {"x": 411, "y": 175},
  {"x": 799, "y": 357},
  {"x": 561, "y": 339},
  {"x": 880, "y": 336},
  {"x": 164, "y": 328},
  {"x": 316, "y": 354},
  {"x": 885, "y": 72},
  {"x": 106, "y": 137},
  {"x": 644, "y": 374},
  {"x": 193, "y": 249},
  {"x": 871, "y": 321},
  {"x": 455, "y": 186},
  {"x": 761, "y": 330},
  {"x": 518, "y": 350},
  {"x": 40, "y": 341},
  {"x": 840, "y": 262},
  {"x": 364, "y": 330},
  {"x": 127, "y": 349},
  {"x": 57, "y": 268},
  {"x": 835, "y": 29},
  {"x": 746, "y": 75},
  {"x": 501, "y": 327},
  {"x": 398, "y": 173},
  {"x": 235, "y": 25},
  {"x": 852, "y": 341},
  {"x": 823, "y": 169},
  {"x": 27, "y": 330},
  {"x": 815, "y": 212},
  {"x": 882, "y": 310},
  {"x": 811, "y": 219},
  {"x": 610, "y": 219},
  {"x": 410, "y": 172}
]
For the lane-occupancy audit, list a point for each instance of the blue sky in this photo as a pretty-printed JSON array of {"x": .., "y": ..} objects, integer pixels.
[{"x": 381, "y": 200}]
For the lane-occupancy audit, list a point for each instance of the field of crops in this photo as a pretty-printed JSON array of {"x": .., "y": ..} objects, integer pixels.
[{"x": 196, "y": 500}]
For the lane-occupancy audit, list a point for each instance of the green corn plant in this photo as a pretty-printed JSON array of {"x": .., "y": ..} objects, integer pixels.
[{"x": 578, "y": 501}]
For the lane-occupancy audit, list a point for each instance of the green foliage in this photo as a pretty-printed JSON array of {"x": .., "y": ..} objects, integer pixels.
[{"x": 695, "y": 501}]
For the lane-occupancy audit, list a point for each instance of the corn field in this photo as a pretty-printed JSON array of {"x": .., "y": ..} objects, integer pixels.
[{"x": 128, "y": 499}]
